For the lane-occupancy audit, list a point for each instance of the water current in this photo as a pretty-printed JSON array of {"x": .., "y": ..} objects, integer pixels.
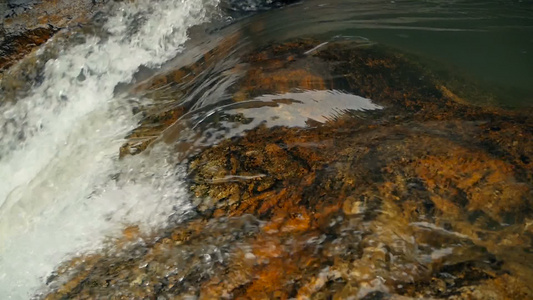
[
  {"x": 60, "y": 193},
  {"x": 65, "y": 191}
]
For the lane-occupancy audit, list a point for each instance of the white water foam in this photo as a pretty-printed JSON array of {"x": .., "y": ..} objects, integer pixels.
[{"x": 62, "y": 188}]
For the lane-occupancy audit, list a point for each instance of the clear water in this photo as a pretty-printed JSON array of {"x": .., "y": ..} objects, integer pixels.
[
  {"x": 490, "y": 42},
  {"x": 63, "y": 189}
]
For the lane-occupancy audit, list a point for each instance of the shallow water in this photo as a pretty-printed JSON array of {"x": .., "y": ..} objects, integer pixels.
[{"x": 66, "y": 192}]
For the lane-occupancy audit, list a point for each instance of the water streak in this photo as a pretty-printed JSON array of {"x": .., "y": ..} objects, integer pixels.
[{"x": 63, "y": 188}]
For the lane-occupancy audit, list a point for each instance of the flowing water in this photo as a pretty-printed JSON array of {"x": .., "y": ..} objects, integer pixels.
[
  {"x": 64, "y": 190},
  {"x": 59, "y": 157}
]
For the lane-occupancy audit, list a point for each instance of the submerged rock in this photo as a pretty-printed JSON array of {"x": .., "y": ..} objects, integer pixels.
[{"x": 421, "y": 195}]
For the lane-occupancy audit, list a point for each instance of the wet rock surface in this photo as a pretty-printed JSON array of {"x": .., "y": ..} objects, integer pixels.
[
  {"x": 28, "y": 24},
  {"x": 16, "y": 46},
  {"x": 428, "y": 197}
]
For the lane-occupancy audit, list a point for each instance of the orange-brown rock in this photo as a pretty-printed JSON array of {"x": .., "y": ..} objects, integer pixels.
[
  {"x": 429, "y": 197},
  {"x": 35, "y": 25},
  {"x": 22, "y": 33},
  {"x": 14, "y": 47}
]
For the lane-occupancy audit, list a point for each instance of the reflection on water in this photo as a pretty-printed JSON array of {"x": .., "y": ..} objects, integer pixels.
[
  {"x": 326, "y": 149},
  {"x": 486, "y": 41},
  {"x": 297, "y": 109}
]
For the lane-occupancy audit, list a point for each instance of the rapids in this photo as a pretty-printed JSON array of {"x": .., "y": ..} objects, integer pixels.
[{"x": 63, "y": 188}]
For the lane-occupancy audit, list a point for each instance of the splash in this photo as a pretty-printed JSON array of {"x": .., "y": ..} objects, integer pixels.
[{"x": 63, "y": 188}]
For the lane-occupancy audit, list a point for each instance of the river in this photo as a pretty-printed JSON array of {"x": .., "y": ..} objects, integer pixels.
[{"x": 64, "y": 189}]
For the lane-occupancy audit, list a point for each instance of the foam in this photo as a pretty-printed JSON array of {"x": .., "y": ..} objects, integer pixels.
[{"x": 59, "y": 193}]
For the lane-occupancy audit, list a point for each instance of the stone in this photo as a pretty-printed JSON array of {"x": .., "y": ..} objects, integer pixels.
[{"x": 428, "y": 197}]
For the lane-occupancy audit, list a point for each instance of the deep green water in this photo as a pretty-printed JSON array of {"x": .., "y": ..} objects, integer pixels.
[{"x": 487, "y": 43}]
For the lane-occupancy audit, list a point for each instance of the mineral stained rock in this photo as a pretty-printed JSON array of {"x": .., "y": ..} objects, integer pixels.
[
  {"x": 427, "y": 198},
  {"x": 29, "y": 24}
]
